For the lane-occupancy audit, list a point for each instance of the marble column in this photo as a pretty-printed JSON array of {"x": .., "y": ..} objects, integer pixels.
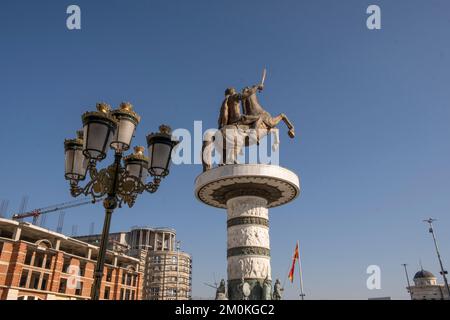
[{"x": 248, "y": 245}]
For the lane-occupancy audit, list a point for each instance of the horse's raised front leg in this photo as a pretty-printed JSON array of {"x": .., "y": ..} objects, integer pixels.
[
  {"x": 290, "y": 126},
  {"x": 276, "y": 120},
  {"x": 282, "y": 116}
]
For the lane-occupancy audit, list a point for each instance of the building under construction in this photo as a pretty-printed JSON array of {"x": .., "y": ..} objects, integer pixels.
[
  {"x": 39, "y": 264},
  {"x": 167, "y": 270}
]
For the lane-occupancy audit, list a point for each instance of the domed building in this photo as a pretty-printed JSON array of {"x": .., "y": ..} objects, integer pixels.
[{"x": 426, "y": 287}]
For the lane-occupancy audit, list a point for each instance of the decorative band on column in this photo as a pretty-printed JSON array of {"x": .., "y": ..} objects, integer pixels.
[
  {"x": 247, "y": 220},
  {"x": 260, "y": 289},
  {"x": 244, "y": 251},
  {"x": 235, "y": 190}
]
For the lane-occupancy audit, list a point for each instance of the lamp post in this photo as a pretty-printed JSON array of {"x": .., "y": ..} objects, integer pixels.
[
  {"x": 122, "y": 181},
  {"x": 443, "y": 271}
]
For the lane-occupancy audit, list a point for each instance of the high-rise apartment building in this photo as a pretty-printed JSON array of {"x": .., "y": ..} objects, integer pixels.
[{"x": 167, "y": 270}]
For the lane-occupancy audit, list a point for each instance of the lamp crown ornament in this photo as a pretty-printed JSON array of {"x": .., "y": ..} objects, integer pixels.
[
  {"x": 137, "y": 155},
  {"x": 80, "y": 135},
  {"x": 165, "y": 129},
  {"x": 126, "y": 109},
  {"x": 139, "y": 150},
  {"x": 103, "y": 107},
  {"x": 126, "y": 106}
]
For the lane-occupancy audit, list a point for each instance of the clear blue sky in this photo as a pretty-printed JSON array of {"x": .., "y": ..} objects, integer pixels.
[{"x": 371, "y": 108}]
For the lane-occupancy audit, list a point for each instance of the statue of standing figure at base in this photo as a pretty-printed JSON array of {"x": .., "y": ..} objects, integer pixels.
[
  {"x": 267, "y": 288},
  {"x": 221, "y": 291},
  {"x": 277, "y": 291},
  {"x": 242, "y": 129}
]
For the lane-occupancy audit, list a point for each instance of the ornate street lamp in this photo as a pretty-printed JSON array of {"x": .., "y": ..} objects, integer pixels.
[{"x": 117, "y": 183}]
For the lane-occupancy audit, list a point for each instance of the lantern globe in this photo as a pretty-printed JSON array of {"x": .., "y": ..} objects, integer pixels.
[
  {"x": 127, "y": 121},
  {"x": 75, "y": 161},
  {"x": 160, "y": 146},
  {"x": 136, "y": 164},
  {"x": 99, "y": 128}
]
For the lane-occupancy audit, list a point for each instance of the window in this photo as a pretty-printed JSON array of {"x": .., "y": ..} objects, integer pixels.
[
  {"x": 34, "y": 281},
  {"x": 48, "y": 262},
  {"x": 23, "y": 279},
  {"x": 28, "y": 257},
  {"x": 66, "y": 264},
  {"x": 174, "y": 259},
  {"x": 121, "y": 294},
  {"x": 172, "y": 292},
  {"x": 109, "y": 275},
  {"x": 1, "y": 248},
  {"x": 62, "y": 286},
  {"x": 132, "y": 295},
  {"x": 27, "y": 298},
  {"x": 39, "y": 259},
  {"x": 79, "y": 289},
  {"x": 127, "y": 294},
  {"x": 106, "y": 295},
  {"x": 44, "y": 281},
  {"x": 154, "y": 291},
  {"x": 129, "y": 279},
  {"x": 82, "y": 268}
]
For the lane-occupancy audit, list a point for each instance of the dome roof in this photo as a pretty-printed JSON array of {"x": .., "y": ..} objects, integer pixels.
[{"x": 423, "y": 274}]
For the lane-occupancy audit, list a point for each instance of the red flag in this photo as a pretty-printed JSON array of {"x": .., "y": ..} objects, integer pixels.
[{"x": 294, "y": 258}]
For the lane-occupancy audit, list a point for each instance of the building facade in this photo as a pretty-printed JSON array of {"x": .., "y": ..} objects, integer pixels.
[
  {"x": 426, "y": 287},
  {"x": 39, "y": 264},
  {"x": 167, "y": 270}
]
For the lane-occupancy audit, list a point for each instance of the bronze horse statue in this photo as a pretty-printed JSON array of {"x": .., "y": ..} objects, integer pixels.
[
  {"x": 255, "y": 115},
  {"x": 243, "y": 130}
]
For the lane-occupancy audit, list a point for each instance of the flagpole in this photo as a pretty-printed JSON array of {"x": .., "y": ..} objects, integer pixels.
[{"x": 302, "y": 294}]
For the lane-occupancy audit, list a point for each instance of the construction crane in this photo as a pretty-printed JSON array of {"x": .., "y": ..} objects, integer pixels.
[
  {"x": 58, "y": 207},
  {"x": 215, "y": 286}
]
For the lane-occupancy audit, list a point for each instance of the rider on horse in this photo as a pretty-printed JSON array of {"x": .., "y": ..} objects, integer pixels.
[{"x": 253, "y": 114}]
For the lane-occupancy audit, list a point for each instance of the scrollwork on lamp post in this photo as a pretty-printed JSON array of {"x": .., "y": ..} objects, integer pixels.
[{"x": 122, "y": 181}]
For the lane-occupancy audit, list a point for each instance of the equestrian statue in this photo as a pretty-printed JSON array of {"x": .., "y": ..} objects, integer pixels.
[{"x": 238, "y": 129}]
